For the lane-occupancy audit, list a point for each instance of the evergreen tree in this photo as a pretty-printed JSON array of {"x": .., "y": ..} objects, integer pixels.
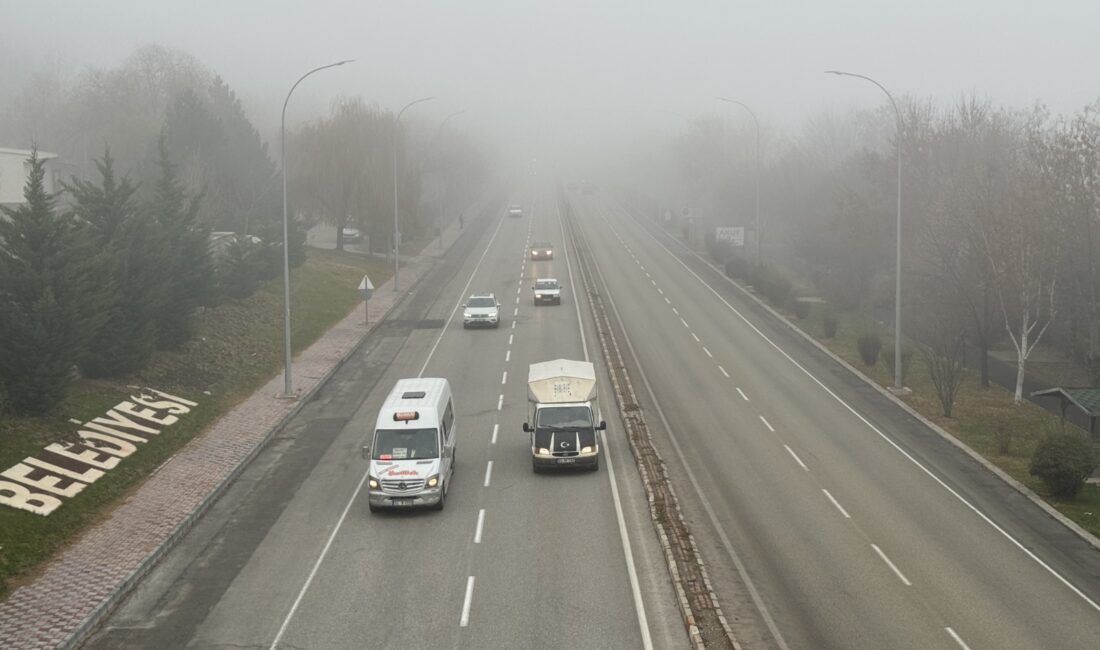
[
  {"x": 51, "y": 297},
  {"x": 185, "y": 275},
  {"x": 115, "y": 225}
]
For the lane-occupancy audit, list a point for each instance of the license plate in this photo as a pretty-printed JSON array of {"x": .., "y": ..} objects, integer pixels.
[
  {"x": 566, "y": 461},
  {"x": 402, "y": 501}
]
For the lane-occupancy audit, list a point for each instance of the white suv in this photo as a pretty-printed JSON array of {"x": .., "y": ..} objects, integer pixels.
[{"x": 481, "y": 310}]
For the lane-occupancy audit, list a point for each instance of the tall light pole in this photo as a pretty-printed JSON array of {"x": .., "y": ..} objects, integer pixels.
[
  {"x": 288, "y": 386},
  {"x": 756, "y": 122},
  {"x": 897, "y": 270},
  {"x": 396, "y": 225}
]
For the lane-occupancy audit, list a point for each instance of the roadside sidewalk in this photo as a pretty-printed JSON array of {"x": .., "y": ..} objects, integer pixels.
[{"x": 83, "y": 583}]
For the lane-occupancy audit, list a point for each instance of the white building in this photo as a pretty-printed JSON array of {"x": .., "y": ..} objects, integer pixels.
[{"x": 15, "y": 167}]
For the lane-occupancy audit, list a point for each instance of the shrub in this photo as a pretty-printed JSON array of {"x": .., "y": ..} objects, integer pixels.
[
  {"x": 800, "y": 308},
  {"x": 738, "y": 268},
  {"x": 906, "y": 359},
  {"x": 869, "y": 346},
  {"x": 772, "y": 284},
  {"x": 830, "y": 326},
  {"x": 1062, "y": 461}
]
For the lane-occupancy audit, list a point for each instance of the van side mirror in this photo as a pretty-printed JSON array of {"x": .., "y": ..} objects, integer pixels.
[
  {"x": 366, "y": 452},
  {"x": 602, "y": 425},
  {"x": 526, "y": 428}
]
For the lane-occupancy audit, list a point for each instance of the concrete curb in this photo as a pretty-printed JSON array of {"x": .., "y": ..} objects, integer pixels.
[{"x": 1088, "y": 537}]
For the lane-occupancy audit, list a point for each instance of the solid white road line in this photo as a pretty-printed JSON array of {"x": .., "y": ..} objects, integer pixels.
[
  {"x": 958, "y": 639},
  {"x": 504, "y": 378},
  {"x": 465, "y": 619},
  {"x": 500, "y": 402},
  {"x": 480, "y": 524},
  {"x": 837, "y": 504},
  {"x": 742, "y": 393},
  {"x": 496, "y": 428},
  {"x": 767, "y": 424},
  {"x": 724, "y": 372},
  {"x": 624, "y": 537},
  {"x": 901, "y": 576},
  {"x": 708, "y": 352},
  {"x": 796, "y": 458},
  {"x": 950, "y": 490},
  {"x": 488, "y": 473}
]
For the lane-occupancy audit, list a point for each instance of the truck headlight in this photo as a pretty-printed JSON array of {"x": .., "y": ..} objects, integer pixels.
[
  {"x": 432, "y": 481},
  {"x": 544, "y": 450},
  {"x": 372, "y": 483}
]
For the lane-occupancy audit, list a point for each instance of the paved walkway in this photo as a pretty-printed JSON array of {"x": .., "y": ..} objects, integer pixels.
[{"x": 86, "y": 581}]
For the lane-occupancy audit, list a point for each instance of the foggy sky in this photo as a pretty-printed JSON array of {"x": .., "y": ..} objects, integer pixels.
[{"x": 565, "y": 71}]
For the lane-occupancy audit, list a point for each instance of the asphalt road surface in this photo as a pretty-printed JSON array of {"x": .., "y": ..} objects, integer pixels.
[
  {"x": 828, "y": 517},
  {"x": 290, "y": 557}
]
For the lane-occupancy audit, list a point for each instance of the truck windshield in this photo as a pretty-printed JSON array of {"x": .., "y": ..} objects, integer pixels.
[
  {"x": 565, "y": 417},
  {"x": 405, "y": 444}
]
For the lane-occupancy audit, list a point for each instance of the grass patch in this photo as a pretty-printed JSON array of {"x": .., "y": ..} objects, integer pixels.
[
  {"x": 237, "y": 349},
  {"x": 983, "y": 419}
]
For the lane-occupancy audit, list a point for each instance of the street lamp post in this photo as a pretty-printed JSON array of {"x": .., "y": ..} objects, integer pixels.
[
  {"x": 287, "y": 384},
  {"x": 396, "y": 225},
  {"x": 756, "y": 122},
  {"x": 897, "y": 270}
]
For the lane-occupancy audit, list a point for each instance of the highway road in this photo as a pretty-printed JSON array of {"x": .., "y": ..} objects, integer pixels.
[
  {"x": 290, "y": 557},
  {"x": 828, "y": 517}
]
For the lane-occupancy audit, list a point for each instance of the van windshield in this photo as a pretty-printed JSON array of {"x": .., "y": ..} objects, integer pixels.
[
  {"x": 565, "y": 417},
  {"x": 405, "y": 444},
  {"x": 546, "y": 284}
]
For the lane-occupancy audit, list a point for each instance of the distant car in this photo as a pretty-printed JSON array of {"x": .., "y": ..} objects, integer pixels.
[
  {"x": 547, "y": 292},
  {"x": 542, "y": 250},
  {"x": 515, "y": 211},
  {"x": 352, "y": 234},
  {"x": 481, "y": 310}
]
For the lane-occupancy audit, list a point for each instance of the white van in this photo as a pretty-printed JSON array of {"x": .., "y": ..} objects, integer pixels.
[{"x": 412, "y": 451}]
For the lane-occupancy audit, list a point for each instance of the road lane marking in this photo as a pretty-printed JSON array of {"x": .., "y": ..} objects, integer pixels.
[
  {"x": 901, "y": 576},
  {"x": 507, "y": 356},
  {"x": 984, "y": 517},
  {"x": 513, "y": 324},
  {"x": 511, "y": 337},
  {"x": 695, "y": 337},
  {"x": 708, "y": 352},
  {"x": 624, "y": 536},
  {"x": 724, "y": 372},
  {"x": 796, "y": 458},
  {"x": 480, "y": 524},
  {"x": 519, "y": 290},
  {"x": 496, "y": 428},
  {"x": 957, "y": 638},
  {"x": 674, "y": 310},
  {"x": 743, "y": 395},
  {"x": 504, "y": 378},
  {"x": 488, "y": 473},
  {"x": 659, "y": 291},
  {"x": 465, "y": 619},
  {"x": 837, "y": 504},
  {"x": 685, "y": 323},
  {"x": 766, "y": 423},
  {"x": 515, "y": 312},
  {"x": 667, "y": 301},
  {"x": 653, "y": 282},
  {"x": 517, "y": 300},
  {"x": 500, "y": 402}
]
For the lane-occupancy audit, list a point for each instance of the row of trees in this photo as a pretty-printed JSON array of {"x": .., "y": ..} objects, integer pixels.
[{"x": 1000, "y": 213}]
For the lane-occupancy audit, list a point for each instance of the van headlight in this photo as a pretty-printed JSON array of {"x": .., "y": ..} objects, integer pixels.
[
  {"x": 544, "y": 451},
  {"x": 372, "y": 483},
  {"x": 587, "y": 450},
  {"x": 432, "y": 481}
]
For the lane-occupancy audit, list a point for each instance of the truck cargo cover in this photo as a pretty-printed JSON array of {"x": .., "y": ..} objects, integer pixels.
[{"x": 561, "y": 380}]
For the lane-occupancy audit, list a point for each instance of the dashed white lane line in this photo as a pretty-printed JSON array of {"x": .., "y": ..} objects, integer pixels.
[
  {"x": 900, "y": 575},
  {"x": 685, "y": 323},
  {"x": 767, "y": 424},
  {"x": 465, "y": 620},
  {"x": 653, "y": 282},
  {"x": 480, "y": 525},
  {"x": 708, "y": 352},
  {"x": 511, "y": 337},
  {"x": 517, "y": 300},
  {"x": 675, "y": 311},
  {"x": 513, "y": 324},
  {"x": 504, "y": 378},
  {"x": 500, "y": 402},
  {"x": 724, "y": 372},
  {"x": 507, "y": 356},
  {"x": 958, "y": 639},
  {"x": 515, "y": 312},
  {"x": 519, "y": 290},
  {"x": 659, "y": 291},
  {"x": 693, "y": 335},
  {"x": 667, "y": 301},
  {"x": 743, "y": 395},
  {"x": 496, "y": 429},
  {"x": 837, "y": 504},
  {"x": 796, "y": 458},
  {"x": 488, "y": 473},
  {"x": 647, "y": 273}
]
